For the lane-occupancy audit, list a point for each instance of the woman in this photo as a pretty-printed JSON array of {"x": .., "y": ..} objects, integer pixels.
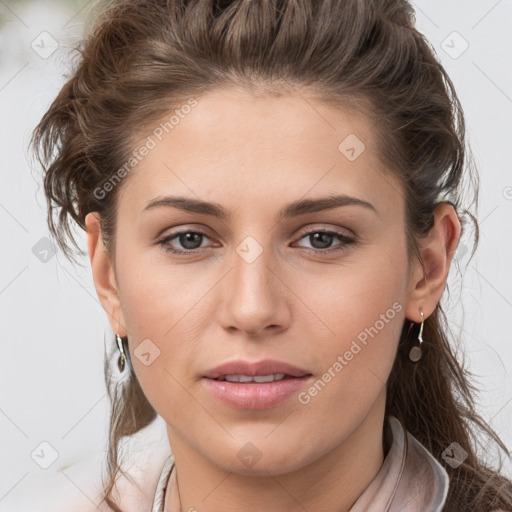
[{"x": 271, "y": 192}]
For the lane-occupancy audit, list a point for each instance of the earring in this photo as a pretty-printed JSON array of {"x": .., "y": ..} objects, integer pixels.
[
  {"x": 415, "y": 352},
  {"x": 121, "y": 362}
]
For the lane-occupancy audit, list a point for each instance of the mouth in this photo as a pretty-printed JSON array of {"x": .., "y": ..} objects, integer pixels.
[
  {"x": 252, "y": 386},
  {"x": 246, "y": 379},
  {"x": 254, "y": 392},
  {"x": 243, "y": 384},
  {"x": 268, "y": 370}
]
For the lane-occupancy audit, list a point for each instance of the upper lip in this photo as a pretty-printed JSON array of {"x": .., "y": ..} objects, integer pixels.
[{"x": 265, "y": 367}]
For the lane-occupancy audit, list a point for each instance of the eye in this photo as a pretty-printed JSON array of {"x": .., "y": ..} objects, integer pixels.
[
  {"x": 322, "y": 240},
  {"x": 190, "y": 241}
]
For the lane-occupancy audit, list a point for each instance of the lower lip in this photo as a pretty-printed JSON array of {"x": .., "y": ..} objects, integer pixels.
[{"x": 255, "y": 395}]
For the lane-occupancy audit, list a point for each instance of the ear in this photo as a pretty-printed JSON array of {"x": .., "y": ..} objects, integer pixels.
[
  {"x": 437, "y": 250},
  {"x": 103, "y": 275}
]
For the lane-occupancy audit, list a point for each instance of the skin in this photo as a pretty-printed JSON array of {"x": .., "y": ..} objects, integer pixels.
[{"x": 212, "y": 306}]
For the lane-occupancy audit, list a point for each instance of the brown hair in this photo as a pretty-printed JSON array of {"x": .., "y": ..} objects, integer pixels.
[{"x": 145, "y": 57}]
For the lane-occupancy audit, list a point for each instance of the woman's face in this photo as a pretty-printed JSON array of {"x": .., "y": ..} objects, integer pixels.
[{"x": 257, "y": 284}]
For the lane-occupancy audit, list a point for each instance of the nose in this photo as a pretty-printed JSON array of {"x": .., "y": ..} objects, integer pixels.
[{"x": 254, "y": 297}]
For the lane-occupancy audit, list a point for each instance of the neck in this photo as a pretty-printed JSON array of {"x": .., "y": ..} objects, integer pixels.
[{"x": 331, "y": 483}]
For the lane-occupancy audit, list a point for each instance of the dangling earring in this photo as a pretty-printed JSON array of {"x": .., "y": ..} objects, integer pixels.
[
  {"x": 121, "y": 362},
  {"x": 415, "y": 352}
]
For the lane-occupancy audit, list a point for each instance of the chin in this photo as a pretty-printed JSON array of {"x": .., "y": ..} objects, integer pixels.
[{"x": 251, "y": 461}]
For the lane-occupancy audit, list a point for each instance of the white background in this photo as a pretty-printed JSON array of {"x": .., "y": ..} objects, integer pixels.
[{"x": 52, "y": 327}]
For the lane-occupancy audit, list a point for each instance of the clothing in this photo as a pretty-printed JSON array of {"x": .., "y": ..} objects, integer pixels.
[{"x": 409, "y": 480}]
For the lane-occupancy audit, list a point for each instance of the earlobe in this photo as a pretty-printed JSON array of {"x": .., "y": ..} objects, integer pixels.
[
  {"x": 437, "y": 250},
  {"x": 103, "y": 274}
]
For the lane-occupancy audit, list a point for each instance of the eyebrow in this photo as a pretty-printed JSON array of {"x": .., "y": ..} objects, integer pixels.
[{"x": 293, "y": 209}]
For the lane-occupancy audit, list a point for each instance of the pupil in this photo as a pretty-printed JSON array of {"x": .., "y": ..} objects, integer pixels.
[
  {"x": 188, "y": 237},
  {"x": 324, "y": 238}
]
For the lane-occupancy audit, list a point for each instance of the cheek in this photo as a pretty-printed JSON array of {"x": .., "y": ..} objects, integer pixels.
[
  {"x": 362, "y": 314},
  {"x": 159, "y": 299},
  {"x": 157, "y": 308},
  {"x": 359, "y": 298}
]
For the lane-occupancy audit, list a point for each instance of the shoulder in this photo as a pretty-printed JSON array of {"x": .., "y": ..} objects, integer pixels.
[
  {"x": 422, "y": 483},
  {"x": 78, "y": 486},
  {"x": 54, "y": 491}
]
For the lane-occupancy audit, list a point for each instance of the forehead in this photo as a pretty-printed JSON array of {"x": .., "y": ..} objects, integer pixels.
[{"x": 232, "y": 145}]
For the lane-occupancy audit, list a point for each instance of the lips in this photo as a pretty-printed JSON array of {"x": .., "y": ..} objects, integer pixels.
[
  {"x": 260, "y": 368},
  {"x": 256, "y": 396}
]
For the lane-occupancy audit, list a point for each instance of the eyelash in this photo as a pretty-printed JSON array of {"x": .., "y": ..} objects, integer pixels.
[{"x": 346, "y": 242}]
